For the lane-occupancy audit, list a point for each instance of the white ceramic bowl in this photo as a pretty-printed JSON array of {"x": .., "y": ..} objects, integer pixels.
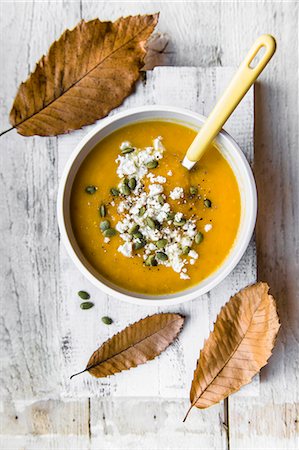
[{"x": 229, "y": 149}]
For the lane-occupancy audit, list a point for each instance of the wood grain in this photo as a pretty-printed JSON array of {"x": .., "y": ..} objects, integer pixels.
[{"x": 202, "y": 34}]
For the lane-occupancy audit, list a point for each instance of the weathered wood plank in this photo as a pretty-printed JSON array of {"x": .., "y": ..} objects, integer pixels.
[
  {"x": 214, "y": 33},
  {"x": 30, "y": 327},
  {"x": 61, "y": 425},
  {"x": 271, "y": 420},
  {"x": 154, "y": 424}
]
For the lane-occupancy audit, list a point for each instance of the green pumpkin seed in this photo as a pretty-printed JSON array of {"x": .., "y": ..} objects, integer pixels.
[
  {"x": 107, "y": 320},
  {"x": 151, "y": 261},
  {"x": 179, "y": 223},
  {"x": 151, "y": 223},
  {"x": 132, "y": 183},
  {"x": 103, "y": 211},
  {"x": 141, "y": 211},
  {"x": 162, "y": 256},
  {"x": 170, "y": 215},
  {"x": 138, "y": 235},
  {"x": 198, "y": 238},
  {"x": 161, "y": 199},
  {"x": 134, "y": 229},
  {"x": 86, "y": 305},
  {"x": 161, "y": 243},
  {"x": 84, "y": 295},
  {"x": 193, "y": 190},
  {"x": 127, "y": 150},
  {"x": 104, "y": 225},
  {"x": 125, "y": 190},
  {"x": 139, "y": 245},
  {"x": 152, "y": 164},
  {"x": 207, "y": 203},
  {"x": 110, "y": 232},
  {"x": 114, "y": 191},
  {"x": 186, "y": 250},
  {"x": 90, "y": 189}
]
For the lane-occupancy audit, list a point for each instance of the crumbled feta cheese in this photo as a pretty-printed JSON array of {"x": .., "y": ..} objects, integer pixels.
[
  {"x": 129, "y": 207},
  {"x": 126, "y": 249},
  {"x": 184, "y": 276},
  {"x": 190, "y": 228},
  {"x": 207, "y": 227},
  {"x": 176, "y": 193},
  {"x": 178, "y": 216},
  {"x": 121, "y": 207},
  {"x": 193, "y": 254},
  {"x": 158, "y": 179},
  {"x": 186, "y": 242},
  {"x": 106, "y": 240},
  {"x": 158, "y": 144},
  {"x": 155, "y": 189},
  {"x": 126, "y": 166}
]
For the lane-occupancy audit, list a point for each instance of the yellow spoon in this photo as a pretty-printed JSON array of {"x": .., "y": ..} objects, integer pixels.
[{"x": 239, "y": 85}]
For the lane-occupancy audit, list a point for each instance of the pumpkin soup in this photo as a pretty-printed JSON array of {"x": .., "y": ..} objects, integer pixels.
[{"x": 142, "y": 220}]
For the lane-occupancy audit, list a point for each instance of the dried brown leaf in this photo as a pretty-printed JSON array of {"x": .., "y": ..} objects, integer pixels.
[
  {"x": 138, "y": 343},
  {"x": 89, "y": 71},
  {"x": 238, "y": 347}
]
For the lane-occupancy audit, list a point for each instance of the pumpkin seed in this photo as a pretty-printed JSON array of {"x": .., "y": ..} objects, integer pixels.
[
  {"x": 110, "y": 232},
  {"x": 90, "y": 189},
  {"x": 161, "y": 243},
  {"x": 162, "y": 256},
  {"x": 170, "y": 215},
  {"x": 104, "y": 225},
  {"x": 102, "y": 210},
  {"x": 86, "y": 305},
  {"x": 151, "y": 261},
  {"x": 186, "y": 250},
  {"x": 127, "y": 150},
  {"x": 151, "y": 223},
  {"x": 125, "y": 190},
  {"x": 139, "y": 245},
  {"x": 179, "y": 223},
  {"x": 114, "y": 191},
  {"x": 193, "y": 190},
  {"x": 141, "y": 211},
  {"x": 152, "y": 164},
  {"x": 161, "y": 199},
  {"x": 132, "y": 183},
  {"x": 107, "y": 320},
  {"x": 198, "y": 238},
  {"x": 138, "y": 235},
  {"x": 207, "y": 203},
  {"x": 134, "y": 229},
  {"x": 84, "y": 295}
]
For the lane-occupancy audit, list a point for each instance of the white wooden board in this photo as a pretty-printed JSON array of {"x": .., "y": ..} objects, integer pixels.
[{"x": 82, "y": 331}]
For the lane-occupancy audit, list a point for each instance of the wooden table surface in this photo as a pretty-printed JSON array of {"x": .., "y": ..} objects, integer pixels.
[{"x": 204, "y": 34}]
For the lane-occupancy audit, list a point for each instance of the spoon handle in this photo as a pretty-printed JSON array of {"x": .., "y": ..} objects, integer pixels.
[{"x": 239, "y": 85}]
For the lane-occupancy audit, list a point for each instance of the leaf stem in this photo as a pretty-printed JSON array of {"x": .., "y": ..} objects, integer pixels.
[
  {"x": 78, "y": 373},
  {"x": 6, "y": 131},
  {"x": 191, "y": 406}
]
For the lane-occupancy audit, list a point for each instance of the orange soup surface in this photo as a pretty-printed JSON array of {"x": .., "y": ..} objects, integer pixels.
[{"x": 142, "y": 220}]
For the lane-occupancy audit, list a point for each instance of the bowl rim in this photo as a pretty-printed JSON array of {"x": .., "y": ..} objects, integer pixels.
[{"x": 203, "y": 286}]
